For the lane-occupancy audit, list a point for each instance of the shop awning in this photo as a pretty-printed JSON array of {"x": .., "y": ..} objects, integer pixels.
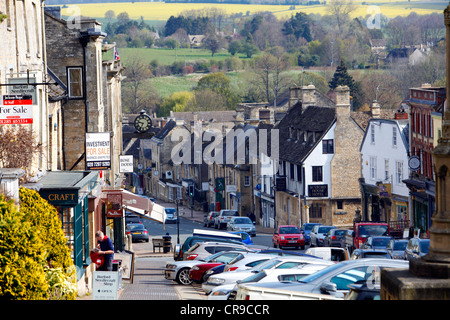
[{"x": 143, "y": 206}]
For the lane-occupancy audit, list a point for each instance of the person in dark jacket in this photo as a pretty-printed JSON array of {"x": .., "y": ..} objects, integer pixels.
[{"x": 106, "y": 248}]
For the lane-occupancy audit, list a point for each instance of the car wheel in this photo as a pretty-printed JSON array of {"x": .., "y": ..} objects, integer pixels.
[{"x": 183, "y": 277}]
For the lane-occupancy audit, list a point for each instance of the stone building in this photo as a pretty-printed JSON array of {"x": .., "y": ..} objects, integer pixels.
[
  {"x": 319, "y": 163},
  {"x": 23, "y": 72}
]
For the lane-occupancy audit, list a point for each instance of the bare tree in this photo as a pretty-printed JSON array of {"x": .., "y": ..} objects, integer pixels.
[
  {"x": 18, "y": 146},
  {"x": 340, "y": 12}
]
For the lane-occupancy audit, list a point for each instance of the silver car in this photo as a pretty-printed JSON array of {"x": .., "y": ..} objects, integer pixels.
[
  {"x": 318, "y": 234},
  {"x": 241, "y": 224},
  {"x": 334, "y": 280}
]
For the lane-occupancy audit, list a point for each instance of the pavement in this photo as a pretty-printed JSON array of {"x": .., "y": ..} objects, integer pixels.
[{"x": 148, "y": 279}]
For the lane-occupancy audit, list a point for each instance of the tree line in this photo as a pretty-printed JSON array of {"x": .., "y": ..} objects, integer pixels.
[{"x": 317, "y": 44}]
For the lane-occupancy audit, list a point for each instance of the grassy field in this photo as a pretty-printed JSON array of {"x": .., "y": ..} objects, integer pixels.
[
  {"x": 166, "y": 56},
  {"x": 160, "y": 11}
]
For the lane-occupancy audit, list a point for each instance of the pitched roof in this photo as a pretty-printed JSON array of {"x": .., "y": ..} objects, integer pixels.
[
  {"x": 301, "y": 131},
  {"x": 165, "y": 130}
]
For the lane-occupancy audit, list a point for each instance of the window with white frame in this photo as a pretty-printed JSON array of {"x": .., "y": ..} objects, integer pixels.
[
  {"x": 373, "y": 167},
  {"x": 75, "y": 82},
  {"x": 394, "y": 136},
  {"x": 399, "y": 171}
]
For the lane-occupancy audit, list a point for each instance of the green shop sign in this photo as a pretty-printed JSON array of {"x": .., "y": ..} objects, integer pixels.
[{"x": 60, "y": 197}]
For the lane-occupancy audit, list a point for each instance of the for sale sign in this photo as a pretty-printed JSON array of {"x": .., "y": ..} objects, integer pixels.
[
  {"x": 98, "y": 151},
  {"x": 16, "y": 109}
]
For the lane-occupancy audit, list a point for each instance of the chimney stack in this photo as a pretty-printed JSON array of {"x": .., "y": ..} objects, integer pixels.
[
  {"x": 375, "y": 109},
  {"x": 308, "y": 95}
]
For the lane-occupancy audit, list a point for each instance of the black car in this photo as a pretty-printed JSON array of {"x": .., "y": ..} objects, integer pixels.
[
  {"x": 370, "y": 253},
  {"x": 137, "y": 231},
  {"x": 131, "y": 218}
]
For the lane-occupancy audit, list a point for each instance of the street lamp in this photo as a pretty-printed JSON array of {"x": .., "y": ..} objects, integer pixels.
[{"x": 178, "y": 221}]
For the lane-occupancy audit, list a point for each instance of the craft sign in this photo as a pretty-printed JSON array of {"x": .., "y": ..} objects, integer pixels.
[{"x": 16, "y": 109}]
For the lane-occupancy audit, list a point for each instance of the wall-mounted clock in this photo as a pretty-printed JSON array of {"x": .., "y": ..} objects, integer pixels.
[{"x": 143, "y": 122}]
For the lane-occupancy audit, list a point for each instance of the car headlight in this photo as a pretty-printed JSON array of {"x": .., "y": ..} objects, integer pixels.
[
  {"x": 221, "y": 292},
  {"x": 195, "y": 268},
  {"x": 282, "y": 238},
  {"x": 216, "y": 281},
  {"x": 170, "y": 266}
]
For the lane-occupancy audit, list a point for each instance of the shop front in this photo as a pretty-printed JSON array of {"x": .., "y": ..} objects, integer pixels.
[{"x": 69, "y": 192}]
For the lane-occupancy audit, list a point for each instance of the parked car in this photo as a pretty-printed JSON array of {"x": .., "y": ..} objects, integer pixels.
[
  {"x": 396, "y": 248},
  {"x": 332, "y": 281},
  {"x": 328, "y": 253},
  {"x": 363, "y": 290},
  {"x": 179, "y": 270},
  {"x": 370, "y": 253},
  {"x": 247, "y": 261},
  {"x": 241, "y": 224},
  {"x": 208, "y": 221},
  {"x": 288, "y": 236},
  {"x": 380, "y": 242},
  {"x": 131, "y": 218},
  {"x": 228, "y": 291},
  {"x": 318, "y": 234},
  {"x": 223, "y": 217},
  {"x": 137, "y": 231},
  {"x": 198, "y": 272},
  {"x": 286, "y": 262},
  {"x": 203, "y": 236},
  {"x": 246, "y": 239},
  {"x": 335, "y": 238},
  {"x": 201, "y": 250},
  {"x": 416, "y": 248},
  {"x": 307, "y": 227},
  {"x": 171, "y": 215}
]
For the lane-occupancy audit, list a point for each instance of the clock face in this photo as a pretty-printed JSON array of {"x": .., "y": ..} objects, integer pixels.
[
  {"x": 143, "y": 123},
  {"x": 414, "y": 162}
]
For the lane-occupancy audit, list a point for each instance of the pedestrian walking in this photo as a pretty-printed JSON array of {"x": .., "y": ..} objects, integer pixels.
[{"x": 106, "y": 248}]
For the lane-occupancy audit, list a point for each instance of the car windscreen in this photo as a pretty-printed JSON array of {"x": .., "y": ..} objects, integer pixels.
[
  {"x": 400, "y": 245},
  {"x": 289, "y": 230},
  {"x": 324, "y": 229},
  {"x": 373, "y": 230},
  {"x": 229, "y": 213},
  {"x": 266, "y": 265},
  {"x": 134, "y": 227},
  {"x": 170, "y": 210},
  {"x": 380, "y": 242},
  {"x": 254, "y": 277},
  {"x": 320, "y": 273},
  {"x": 309, "y": 227},
  {"x": 340, "y": 232},
  {"x": 244, "y": 220},
  {"x": 376, "y": 254}
]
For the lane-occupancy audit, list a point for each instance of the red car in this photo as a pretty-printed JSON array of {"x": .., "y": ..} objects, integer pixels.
[
  {"x": 288, "y": 236},
  {"x": 197, "y": 272}
]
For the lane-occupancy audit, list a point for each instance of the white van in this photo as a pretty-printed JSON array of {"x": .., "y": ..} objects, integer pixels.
[{"x": 328, "y": 253}]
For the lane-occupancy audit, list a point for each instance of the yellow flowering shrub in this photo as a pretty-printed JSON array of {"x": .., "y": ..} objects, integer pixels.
[{"x": 35, "y": 262}]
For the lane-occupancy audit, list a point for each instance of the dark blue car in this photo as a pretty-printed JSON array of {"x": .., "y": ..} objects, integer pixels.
[{"x": 307, "y": 227}]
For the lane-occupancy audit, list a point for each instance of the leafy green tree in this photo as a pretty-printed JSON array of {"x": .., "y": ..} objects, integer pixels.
[
  {"x": 220, "y": 84},
  {"x": 234, "y": 47}
]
